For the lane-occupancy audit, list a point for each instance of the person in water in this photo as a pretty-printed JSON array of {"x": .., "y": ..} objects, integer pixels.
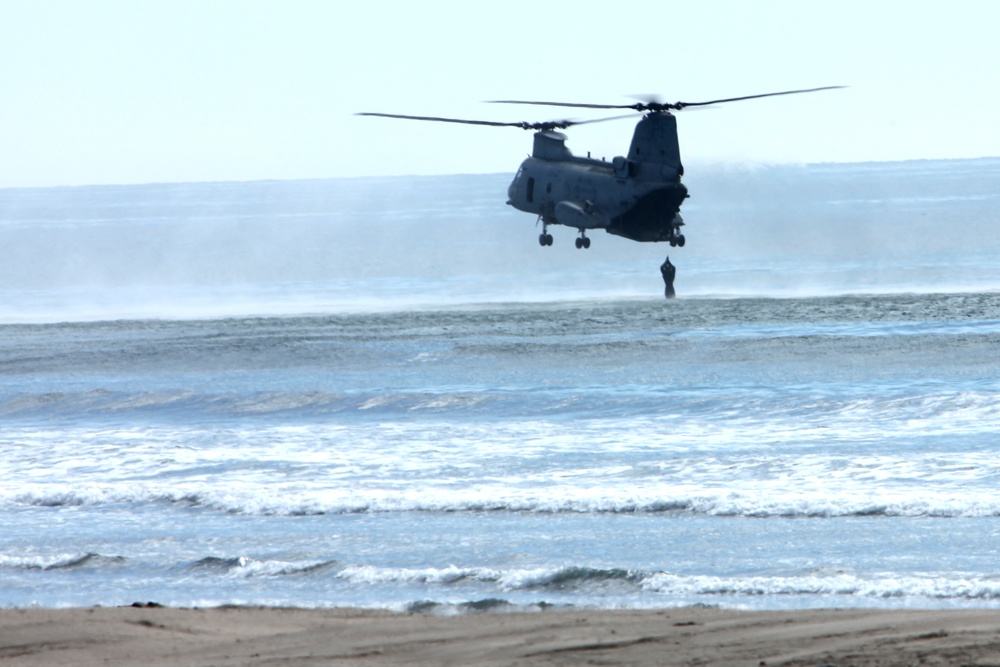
[{"x": 668, "y": 271}]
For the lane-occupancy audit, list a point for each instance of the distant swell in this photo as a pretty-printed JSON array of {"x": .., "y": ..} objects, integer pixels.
[
  {"x": 184, "y": 404},
  {"x": 938, "y": 408}
]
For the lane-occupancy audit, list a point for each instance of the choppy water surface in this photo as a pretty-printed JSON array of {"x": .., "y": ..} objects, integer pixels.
[{"x": 762, "y": 453}]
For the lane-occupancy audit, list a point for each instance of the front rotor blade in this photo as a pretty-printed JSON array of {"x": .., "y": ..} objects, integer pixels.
[
  {"x": 441, "y": 120},
  {"x": 600, "y": 120}
]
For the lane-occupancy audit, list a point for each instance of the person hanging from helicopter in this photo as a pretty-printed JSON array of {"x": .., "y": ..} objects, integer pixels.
[{"x": 668, "y": 271}]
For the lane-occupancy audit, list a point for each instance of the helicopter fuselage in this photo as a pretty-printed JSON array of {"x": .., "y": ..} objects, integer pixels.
[{"x": 637, "y": 197}]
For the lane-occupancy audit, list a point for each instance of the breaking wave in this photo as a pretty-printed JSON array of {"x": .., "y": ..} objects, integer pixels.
[{"x": 722, "y": 502}]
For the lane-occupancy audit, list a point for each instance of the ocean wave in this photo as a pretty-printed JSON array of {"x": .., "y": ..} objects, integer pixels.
[
  {"x": 863, "y": 329},
  {"x": 244, "y": 566},
  {"x": 374, "y": 575},
  {"x": 837, "y": 405},
  {"x": 569, "y": 578},
  {"x": 621, "y": 584},
  {"x": 601, "y": 581},
  {"x": 551, "y": 579},
  {"x": 58, "y": 561},
  {"x": 764, "y": 502},
  {"x": 579, "y": 579},
  {"x": 188, "y": 405}
]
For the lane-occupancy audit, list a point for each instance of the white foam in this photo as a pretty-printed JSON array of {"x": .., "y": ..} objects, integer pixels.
[
  {"x": 830, "y": 465},
  {"x": 930, "y": 586}
]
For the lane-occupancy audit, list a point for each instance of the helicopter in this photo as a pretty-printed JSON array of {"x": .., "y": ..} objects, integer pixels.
[{"x": 637, "y": 196}]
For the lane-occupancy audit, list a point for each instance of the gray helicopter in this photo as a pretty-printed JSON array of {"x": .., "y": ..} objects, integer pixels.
[{"x": 638, "y": 196}]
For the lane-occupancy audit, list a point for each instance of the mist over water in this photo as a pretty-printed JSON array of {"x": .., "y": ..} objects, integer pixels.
[
  {"x": 925, "y": 226},
  {"x": 322, "y": 246}
]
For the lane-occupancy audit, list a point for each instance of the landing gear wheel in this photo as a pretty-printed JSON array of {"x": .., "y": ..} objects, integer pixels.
[
  {"x": 680, "y": 241},
  {"x": 586, "y": 242},
  {"x": 582, "y": 241},
  {"x": 544, "y": 239},
  {"x": 579, "y": 243}
]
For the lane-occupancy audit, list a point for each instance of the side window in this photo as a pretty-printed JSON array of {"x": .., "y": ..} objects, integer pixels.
[{"x": 531, "y": 189}]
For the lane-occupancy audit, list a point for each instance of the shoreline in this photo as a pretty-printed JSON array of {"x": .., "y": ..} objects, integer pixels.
[{"x": 155, "y": 636}]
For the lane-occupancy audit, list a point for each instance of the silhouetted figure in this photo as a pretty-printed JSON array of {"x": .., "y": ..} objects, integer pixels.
[{"x": 668, "y": 271}]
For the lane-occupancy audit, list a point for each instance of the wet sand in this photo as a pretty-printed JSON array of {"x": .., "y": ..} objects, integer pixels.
[{"x": 157, "y": 636}]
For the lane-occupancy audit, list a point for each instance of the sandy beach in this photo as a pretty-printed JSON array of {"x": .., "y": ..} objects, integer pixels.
[{"x": 158, "y": 636}]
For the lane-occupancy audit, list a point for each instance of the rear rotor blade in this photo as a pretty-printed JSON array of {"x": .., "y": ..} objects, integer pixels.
[
  {"x": 564, "y": 104},
  {"x": 681, "y": 105},
  {"x": 540, "y": 127},
  {"x": 655, "y": 105}
]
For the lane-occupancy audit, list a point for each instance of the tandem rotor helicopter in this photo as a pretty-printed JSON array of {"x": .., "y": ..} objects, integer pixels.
[{"x": 637, "y": 196}]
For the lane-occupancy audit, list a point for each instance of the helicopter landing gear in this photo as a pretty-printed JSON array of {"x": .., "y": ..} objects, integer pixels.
[
  {"x": 676, "y": 238},
  {"x": 582, "y": 241},
  {"x": 544, "y": 239}
]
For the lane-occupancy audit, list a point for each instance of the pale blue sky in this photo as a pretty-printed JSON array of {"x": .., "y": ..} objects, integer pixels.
[{"x": 152, "y": 91}]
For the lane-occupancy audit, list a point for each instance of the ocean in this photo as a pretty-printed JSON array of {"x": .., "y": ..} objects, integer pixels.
[{"x": 383, "y": 393}]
